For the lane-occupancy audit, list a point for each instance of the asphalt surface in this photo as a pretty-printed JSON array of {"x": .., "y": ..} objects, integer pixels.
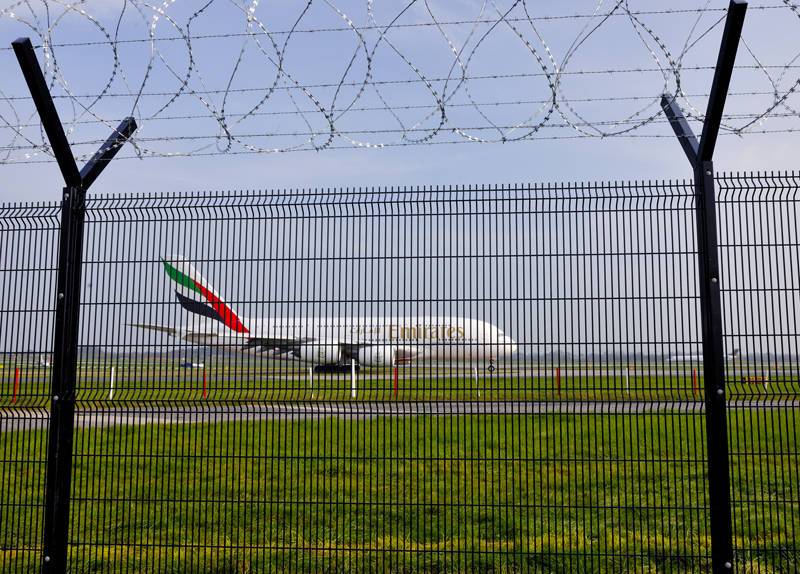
[{"x": 13, "y": 419}]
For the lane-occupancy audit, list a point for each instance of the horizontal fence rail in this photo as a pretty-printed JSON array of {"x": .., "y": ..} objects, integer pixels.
[{"x": 477, "y": 379}]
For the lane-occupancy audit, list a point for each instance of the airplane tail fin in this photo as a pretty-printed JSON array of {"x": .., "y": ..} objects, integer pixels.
[{"x": 196, "y": 294}]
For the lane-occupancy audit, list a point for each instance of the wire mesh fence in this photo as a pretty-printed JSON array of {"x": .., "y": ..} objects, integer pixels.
[
  {"x": 28, "y": 240},
  {"x": 493, "y": 379},
  {"x": 759, "y": 250}
]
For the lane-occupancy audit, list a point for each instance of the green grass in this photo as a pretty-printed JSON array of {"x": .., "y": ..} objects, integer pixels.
[
  {"x": 286, "y": 381},
  {"x": 544, "y": 493}
]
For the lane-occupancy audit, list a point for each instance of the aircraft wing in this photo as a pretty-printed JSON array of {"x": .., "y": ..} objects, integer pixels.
[
  {"x": 276, "y": 345},
  {"x": 286, "y": 347},
  {"x": 160, "y": 328},
  {"x": 291, "y": 347},
  {"x": 197, "y": 335}
]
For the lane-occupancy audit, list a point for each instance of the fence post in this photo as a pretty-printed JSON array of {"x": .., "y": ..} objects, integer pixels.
[
  {"x": 65, "y": 366},
  {"x": 700, "y": 155},
  {"x": 714, "y": 371},
  {"x": 68, "y": 293}
]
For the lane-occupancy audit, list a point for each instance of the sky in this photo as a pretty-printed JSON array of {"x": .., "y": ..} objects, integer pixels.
[
  {"x": 403, "y": 53},
  {"x": 207, "y": 86}
]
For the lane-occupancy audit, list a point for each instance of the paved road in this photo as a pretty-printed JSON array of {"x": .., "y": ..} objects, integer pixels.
[{"x": 196, "y": 412}]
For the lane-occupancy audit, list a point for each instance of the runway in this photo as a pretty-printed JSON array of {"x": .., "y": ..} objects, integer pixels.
[{"x": 200, "y": 412}]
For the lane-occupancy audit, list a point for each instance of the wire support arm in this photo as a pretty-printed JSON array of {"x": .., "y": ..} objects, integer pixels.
[
  {"x": 95, "y": 166},
  {"x": 681, "y": 127},
  {"x": 722, "y": 78},
  {"x": 46, "y": 109},
  {"x": 83, "y": 179}
]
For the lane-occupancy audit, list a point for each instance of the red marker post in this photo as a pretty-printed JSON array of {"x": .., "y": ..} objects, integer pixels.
[
  {"x": 396, "y": 376},
  {"x": 16, "y": 387},
  {"x": 205, "y": 385},
  {"x": 558, "y": 380}
]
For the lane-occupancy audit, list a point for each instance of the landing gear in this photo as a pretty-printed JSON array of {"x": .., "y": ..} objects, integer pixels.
[{"x": 491, "y": 368}]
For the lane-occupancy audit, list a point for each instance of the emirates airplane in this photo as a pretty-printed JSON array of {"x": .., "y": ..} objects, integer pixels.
[
  {"x": 698, "y": 358},
  {"x": 329, "y": 341}
]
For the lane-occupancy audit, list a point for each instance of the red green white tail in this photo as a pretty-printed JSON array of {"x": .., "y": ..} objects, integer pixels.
[{"x": 196, "y": 295}]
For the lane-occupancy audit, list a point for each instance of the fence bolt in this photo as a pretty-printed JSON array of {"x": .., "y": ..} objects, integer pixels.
[
  {"x": 47, "y": 559},
  {"x": 55, "y": 397},
  {"x": 60, "y": 295},
  {"x": 713, "y": 279},
  {"x": 708, "y": 172},
  {"x": 728, "y": 565},
  {"x": 720, "y": 392}
]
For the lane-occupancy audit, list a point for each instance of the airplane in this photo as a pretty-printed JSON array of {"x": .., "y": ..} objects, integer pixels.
[
  {"x": 698, "y": 358},
  {"x": 333, "y": 342},
  {"x": 192, "y": 365}
]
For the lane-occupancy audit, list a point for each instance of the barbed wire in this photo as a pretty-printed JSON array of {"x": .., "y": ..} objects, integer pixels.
[
  {"x": 543, "y": 18},
  {"x": 410, "y": 81},
  {"x": 325, "y": 74},
  {"x": 446, "y": 142},
  {"x": 382, "y": 131},
  {"x": 497, "y": 103}
]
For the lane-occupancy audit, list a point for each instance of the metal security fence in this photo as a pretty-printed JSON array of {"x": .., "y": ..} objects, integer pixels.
[
  {"x": 478, "y": 379},
  {"x": 759, "y": 252},
  {"x": 28, "y": 251}
]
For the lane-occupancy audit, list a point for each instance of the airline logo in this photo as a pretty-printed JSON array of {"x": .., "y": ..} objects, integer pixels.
[
  {"x": 425, "y": 332},
  {"x": 196, "y": 296}
]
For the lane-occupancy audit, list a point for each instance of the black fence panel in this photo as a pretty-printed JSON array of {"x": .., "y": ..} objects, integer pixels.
[
  {"x": 760, "y": 252},
  {"x": 28, "y": 265},
  {"x": 496, "y": 379},
  {"x": 546, "y": 431}
]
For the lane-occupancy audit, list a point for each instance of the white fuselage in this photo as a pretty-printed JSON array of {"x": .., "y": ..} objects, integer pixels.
[{"x": 322, "y": 340}]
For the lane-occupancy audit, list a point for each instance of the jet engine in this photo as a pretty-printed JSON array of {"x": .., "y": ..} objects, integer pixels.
[
  {"x": 320, "y": 353},
  {"x": 376, "y": 356}
]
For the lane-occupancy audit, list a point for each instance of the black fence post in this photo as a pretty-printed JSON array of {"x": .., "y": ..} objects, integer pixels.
[
  {"x": 700, "y": 155},
  {"x": 65, "y": 342},
  {"x": 713, "y": 370},
  {"x": 65, "y": 366}
]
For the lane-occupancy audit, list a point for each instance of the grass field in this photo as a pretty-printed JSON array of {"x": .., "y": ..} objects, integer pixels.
[
  {"x": 505, "y": 493},
  {"x": 279, "y": 381},
  {"x": 479, "y": 493}
]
